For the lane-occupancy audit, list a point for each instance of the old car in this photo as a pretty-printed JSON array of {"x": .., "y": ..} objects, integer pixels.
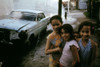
[{"x": 29, "y": 23}]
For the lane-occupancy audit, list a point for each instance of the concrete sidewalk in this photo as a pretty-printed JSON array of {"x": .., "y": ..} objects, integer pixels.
[{"x": 75, "y": 17}]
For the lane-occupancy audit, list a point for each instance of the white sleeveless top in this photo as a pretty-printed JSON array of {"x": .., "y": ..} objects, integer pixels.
[{"x": 67, "y": 58}]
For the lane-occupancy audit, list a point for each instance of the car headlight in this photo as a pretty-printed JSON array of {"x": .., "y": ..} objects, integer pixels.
[{"x": 13, "y": 35}]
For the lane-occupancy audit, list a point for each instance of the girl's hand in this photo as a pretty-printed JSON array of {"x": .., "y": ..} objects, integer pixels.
[
  {"x": 75, "y": 55},
  {"x": 59, "y": 49},
  {"x": 73, "y": 63}
]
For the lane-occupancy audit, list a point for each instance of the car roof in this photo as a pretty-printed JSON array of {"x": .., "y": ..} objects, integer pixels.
[{"x": 28, "y": 10}]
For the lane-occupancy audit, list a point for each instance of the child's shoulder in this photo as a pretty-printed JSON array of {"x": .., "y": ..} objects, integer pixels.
[
  {"x": 73, "y": 41},
  {"x": 50, "y": 36},
  {"x": 78, "y": 39}
]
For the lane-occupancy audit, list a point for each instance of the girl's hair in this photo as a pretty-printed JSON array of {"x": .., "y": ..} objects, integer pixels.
[
  {"x": 75, "y": 32},
  {"x": 86, "y": 23},
  {"x": 68, "y": 29},
  {"x": 56, "y": 17}
]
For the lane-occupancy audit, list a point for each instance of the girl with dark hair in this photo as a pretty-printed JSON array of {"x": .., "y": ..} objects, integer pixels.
[
  {"x": 70, "y": 51},
  {"x": 76, "y": 35},
  {"x": 88, "y": 48},
  {"x": 53, "y": 41}
]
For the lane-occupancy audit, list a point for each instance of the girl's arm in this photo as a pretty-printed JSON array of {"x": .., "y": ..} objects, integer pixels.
[
  {"x": 75, "y": 55},
  {"x": 49, "y": 50}
]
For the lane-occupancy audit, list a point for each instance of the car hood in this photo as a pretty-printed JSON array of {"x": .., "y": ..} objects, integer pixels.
[{"x": 15, "y": 24}]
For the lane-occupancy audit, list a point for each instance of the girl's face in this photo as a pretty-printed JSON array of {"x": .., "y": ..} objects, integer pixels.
[
  {"x": 56, "y": 24},
  {"x": 85, "y": 32},
  {"x": 65, "y": 35},
  {"x": 76, "y": 35}
]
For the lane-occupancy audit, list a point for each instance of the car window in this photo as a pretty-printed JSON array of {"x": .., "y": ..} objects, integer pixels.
[
  {"x": 23, "y": 15},
  {"x": 16, "y": 15},
  {"x": 40, "y": 16},
  {"x": 29, "y": 16}
]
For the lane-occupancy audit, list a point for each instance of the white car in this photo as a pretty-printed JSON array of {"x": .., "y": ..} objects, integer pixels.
[{"x": 23, "y": 21}]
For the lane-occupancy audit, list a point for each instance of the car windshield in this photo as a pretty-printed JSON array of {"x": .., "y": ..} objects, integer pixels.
[{"x": 23, "y": 15}]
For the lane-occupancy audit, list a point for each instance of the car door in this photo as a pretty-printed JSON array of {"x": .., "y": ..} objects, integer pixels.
[{"x": 41, "y": 22}]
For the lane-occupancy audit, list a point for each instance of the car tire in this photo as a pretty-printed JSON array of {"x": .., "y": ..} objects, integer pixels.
[
  {"x": 33, "y": 41},
  {"x": 44, "y": 31}
]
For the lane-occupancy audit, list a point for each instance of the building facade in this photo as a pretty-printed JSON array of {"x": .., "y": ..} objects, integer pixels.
[{"x": 6, "y": 6}]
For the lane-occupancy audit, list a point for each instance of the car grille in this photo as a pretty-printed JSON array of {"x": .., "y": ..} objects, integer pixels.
[{"x": 5, "y": 33}]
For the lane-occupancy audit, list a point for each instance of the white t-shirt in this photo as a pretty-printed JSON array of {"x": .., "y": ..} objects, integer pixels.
[{"x": 67, "y": 58}]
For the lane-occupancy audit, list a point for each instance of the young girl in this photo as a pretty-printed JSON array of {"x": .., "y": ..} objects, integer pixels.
[
  {"x": 53, "y": 41},
  {"x": 76, "y": 35},
  {"x": 88, "y": 48},
  {"x": 70, "y": 51}
]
